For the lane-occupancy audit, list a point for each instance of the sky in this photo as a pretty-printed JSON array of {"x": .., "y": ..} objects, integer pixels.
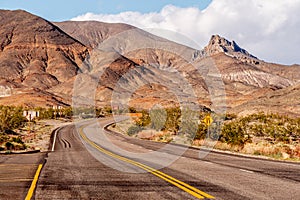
[
  {"x": 267, "y": 29},
  {"x": 60, "y": 10}
]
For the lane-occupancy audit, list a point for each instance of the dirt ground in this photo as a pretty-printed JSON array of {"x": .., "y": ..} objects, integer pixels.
[{"x": 37, "y": 136}]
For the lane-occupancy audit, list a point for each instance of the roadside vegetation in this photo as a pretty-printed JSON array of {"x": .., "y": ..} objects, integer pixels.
[
  {"x": 17, "y": 133},
  {"x": 11, "y": 118},
  {"x": 263, "y": 134},
  {"x": 270, "y": 135}
]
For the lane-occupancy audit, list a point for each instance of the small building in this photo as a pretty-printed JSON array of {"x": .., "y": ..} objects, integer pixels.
[
  {"x": 57, "y": 107},
  {"x": 31, "y": 114}
]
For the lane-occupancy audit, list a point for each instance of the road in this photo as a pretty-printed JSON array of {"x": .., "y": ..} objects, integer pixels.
[
  {"x": 91, "y": 163},
  {"x": 16, "y": 174}
]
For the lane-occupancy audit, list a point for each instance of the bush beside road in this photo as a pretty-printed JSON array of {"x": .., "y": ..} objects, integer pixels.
[{"x": 260, "y": 134}]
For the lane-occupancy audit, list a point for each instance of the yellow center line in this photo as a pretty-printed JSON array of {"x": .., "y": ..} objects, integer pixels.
[
  {"x": 33, "y": 184},
  {"x": 184, "y": 186}
]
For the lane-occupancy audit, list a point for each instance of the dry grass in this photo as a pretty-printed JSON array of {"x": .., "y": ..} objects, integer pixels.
[
  {"x": 160, "y": 136},
  {"x": 279, "y": 151},
  {"x": 37, "y": 136},
  {"x": 121, "y": 127}
]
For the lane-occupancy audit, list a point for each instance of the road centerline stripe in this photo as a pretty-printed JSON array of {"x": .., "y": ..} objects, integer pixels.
[
  {"x": 33, "y": 184},
  {"x": 183, "y": 186}
]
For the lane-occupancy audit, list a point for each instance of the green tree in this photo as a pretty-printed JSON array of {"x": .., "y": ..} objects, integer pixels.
[
  {"x": 67, "y": 112},
  {"x": 11, "y": 117},
  {"x": 46, "y": 113}
]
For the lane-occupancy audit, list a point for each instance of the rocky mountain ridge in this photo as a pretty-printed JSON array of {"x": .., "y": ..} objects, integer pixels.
[
  {"x": 42, "y": 62},
  {"x": 218, "y": 44}
]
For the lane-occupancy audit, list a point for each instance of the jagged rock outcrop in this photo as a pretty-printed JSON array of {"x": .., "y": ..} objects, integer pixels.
[{"x": 218, "y": 44}]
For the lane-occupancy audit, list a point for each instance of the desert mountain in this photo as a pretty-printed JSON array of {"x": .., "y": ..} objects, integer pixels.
[
  {"x": 42, "y": 63},
  {"x": 245, "y": 76},
  {"x": 284, "y": 101},
  {"x": 219, "y": 44},
  {"x": 92, "y": 33},
  {"x": 248, "y": 78},
  {"x": 35, "y": 54}
]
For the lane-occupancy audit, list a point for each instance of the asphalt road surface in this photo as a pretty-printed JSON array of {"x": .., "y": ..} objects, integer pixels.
[
  {"x": 17, "y": 173},
  {"x": 91, "y": 163}
]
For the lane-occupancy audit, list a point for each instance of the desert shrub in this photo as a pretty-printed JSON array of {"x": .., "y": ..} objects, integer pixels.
[
  {"x": 132, "y": 110},
  {"x": 107, "y": 110},
  {"x": 173, "y": 120},
  {"x": 134, "y": 130},
  {"x": 46, "y": 113},
  {"x": 158, "y": 118},
  {"x": 230, "y": 116},
  {"x": 68, "y": 112},
  {"x": 276, "y": 127},
  {"x": 234, "y": 134},
  {"x": 201, "y": 132},
  {"x": 144, "y": 120},
  {"x": 9, "y": 146},
  {"x": 3, "y": 138},
  {"x": 11, "y": 118},
  {"x": 17, "y": 140},
  {"x": 235, "y": 131},
  {"x": 189, "y": 123}
]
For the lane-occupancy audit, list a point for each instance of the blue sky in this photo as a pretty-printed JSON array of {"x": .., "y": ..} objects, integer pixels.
[
  {"x": 269, "y": 30},
  {"x": 59, "y": 10}
]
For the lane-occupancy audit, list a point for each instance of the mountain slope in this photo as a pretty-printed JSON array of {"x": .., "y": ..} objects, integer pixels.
[
  {"x": 284, "y": 101},
  {"x": 245, "y": 76},
  {"x": 92, "y": 33},
  {"x": 42, "y": 62},
  {"x": 33, "y": 46},
  {"x": 34, "y": 53}
]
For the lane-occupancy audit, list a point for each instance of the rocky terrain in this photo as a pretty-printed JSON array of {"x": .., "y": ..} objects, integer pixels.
[
  {"x": 44, "y": 63},
  {"x": 35, "y": 55},
  {"x": 92, "y": 33}
]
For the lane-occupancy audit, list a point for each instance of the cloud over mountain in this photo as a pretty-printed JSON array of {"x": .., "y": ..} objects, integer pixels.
[{"x": 268, "y": 29}]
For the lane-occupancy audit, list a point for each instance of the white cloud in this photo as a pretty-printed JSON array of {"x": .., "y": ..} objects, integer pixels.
[{"x": 268, "y": 29}]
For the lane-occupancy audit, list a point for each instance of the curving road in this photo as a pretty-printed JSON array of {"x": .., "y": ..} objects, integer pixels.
[{"x": 84, "y": 165}]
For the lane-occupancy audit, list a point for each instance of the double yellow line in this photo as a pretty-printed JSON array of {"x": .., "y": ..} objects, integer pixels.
[{"x": 183, "y": 186}]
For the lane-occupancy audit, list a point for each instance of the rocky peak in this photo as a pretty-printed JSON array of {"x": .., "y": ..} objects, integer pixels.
[{"x": 218, "y": 44}]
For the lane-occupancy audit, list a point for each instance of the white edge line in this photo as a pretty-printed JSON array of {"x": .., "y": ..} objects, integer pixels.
[
  {"x": 248, "y": 171},
  {"x": 55, "y": 133}
]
